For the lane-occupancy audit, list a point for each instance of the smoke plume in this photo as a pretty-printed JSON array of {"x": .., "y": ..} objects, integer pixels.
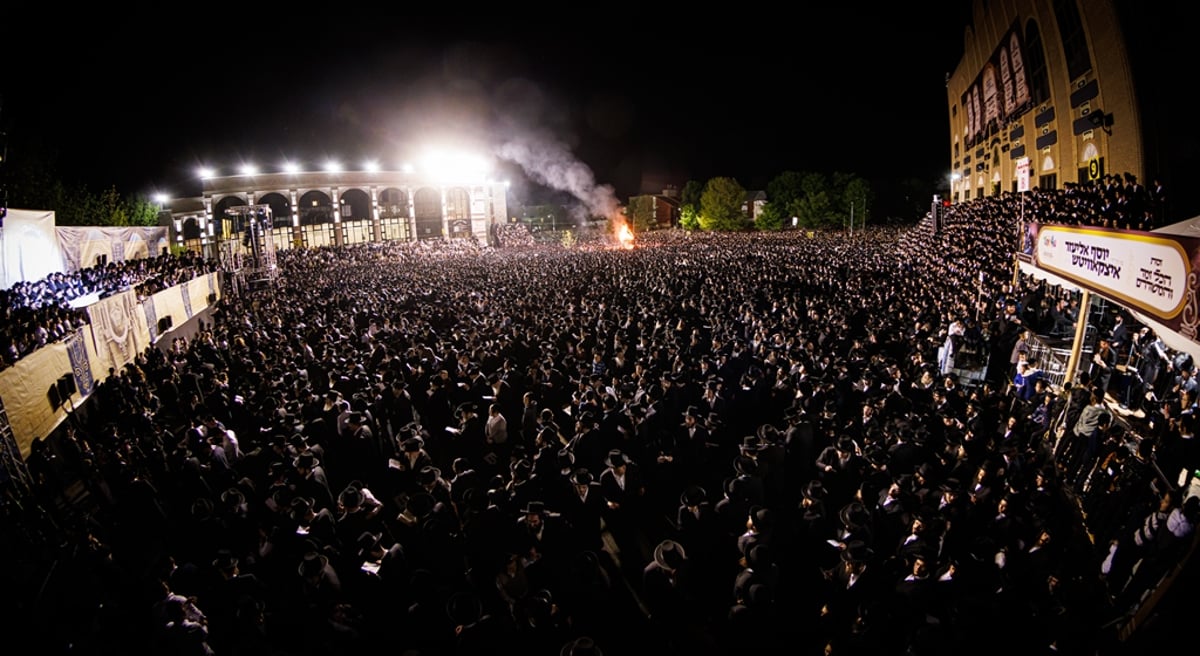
[{"x": 548, "y": 161}]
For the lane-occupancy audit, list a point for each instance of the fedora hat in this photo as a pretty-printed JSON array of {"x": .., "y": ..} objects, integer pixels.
[
  {"x": 745, "y": 465},
  {"x": 521, "y": 469},
  {"x": 299, "y": 507},
  {"x": 763, "y": 518},
  {"x": 669, "y": 554},
  {"x": 306, "y": 460},
  {"x": 877, "y": 455},
  {"x": 854, "y": 515},
  {"x": 693, "y": 495},
  {"x": 845, "y": 443},
  {"x": 313, "y": 564},
  {"x": 616, "y": 458},
  {"x": 367, "y": 541},
  {"x": 412, "y": 444},
  {"x": 751, "y": 443},
  {"x": 692, "y": 411},
  {"x": 233, "y": 497},
  {"x": 582, "y": 477},
  {"x": 428, "y": 475},
  {"x": 814, "y": 490},
  {"x": 857, "y": 551},
  {"x": 534, "y": 508},
  {"x": 351, "y": 497}
]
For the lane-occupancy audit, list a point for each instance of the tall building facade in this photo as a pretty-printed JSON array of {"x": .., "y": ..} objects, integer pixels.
[{"x": 1051, "y": 87}]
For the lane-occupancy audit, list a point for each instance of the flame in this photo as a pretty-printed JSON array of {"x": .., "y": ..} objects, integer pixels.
[{"x": 625, "y": 236}]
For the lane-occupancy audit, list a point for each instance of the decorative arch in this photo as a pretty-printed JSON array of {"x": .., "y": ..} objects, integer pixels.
[
  {"x": 281, "y": 208},
  {"x": 393, "y": 204},
  {"x": 225, "y": 203},
  {"x": 427, "y": 205},
  {"x": 315, "y": 208},
  {"x": 355, "y": 205},
  {"x": 1047, "y": 163}
]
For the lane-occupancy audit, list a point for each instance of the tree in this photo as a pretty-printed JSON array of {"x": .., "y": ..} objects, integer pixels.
[
  {"x": 689, "y": 217},
  {"x": 771, "y": 217},
  {"x": 858, "y": 196},
  {"x": 721, "y": 205},
  {"x": 691, "y": 193},
  {"x": 816, "y": 211},
  {"x": 641, "y": 213}
]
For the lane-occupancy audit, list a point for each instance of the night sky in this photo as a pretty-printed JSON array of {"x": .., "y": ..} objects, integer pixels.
[{"x": 637, "y": 103}]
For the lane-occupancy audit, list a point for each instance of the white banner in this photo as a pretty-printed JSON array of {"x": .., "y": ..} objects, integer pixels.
[
  {"x": 1023, "y": 174},
  {"x": 1148, "y": 272}
]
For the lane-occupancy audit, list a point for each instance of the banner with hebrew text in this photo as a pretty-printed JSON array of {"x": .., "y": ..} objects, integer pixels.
[{"x": 119, "y": 329}]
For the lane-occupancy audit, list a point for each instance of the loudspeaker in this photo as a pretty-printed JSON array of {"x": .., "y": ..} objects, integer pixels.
[
  {"x": 66, "y": 385},
  {"x": 61, "y": 390},
  {"x": 165, "y": 323}
]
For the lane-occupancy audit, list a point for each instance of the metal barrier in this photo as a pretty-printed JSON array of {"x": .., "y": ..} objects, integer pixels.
[{"x": 1050, "y": 360}]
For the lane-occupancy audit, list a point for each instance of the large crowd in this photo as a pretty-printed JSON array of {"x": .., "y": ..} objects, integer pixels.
[
  {"x": 34, "y": 313},
  {"x": 711, "y": 443}
]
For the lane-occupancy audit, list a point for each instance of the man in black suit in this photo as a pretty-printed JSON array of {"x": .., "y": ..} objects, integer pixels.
[{"x": 584, "y": 511}]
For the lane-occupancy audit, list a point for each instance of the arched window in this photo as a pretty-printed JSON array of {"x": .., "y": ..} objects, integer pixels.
[
  {"x": 1035, "y": 64},
  {"x": 1074, "y": 39}
]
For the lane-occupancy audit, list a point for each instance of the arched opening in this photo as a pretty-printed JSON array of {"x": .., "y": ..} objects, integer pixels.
[{"x": 427, "y": 205}]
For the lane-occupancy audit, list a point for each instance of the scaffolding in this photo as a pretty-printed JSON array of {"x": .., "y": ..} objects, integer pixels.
[{"x": 247, "y": 250}]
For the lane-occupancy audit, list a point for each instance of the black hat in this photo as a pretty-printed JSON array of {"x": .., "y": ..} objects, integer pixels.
[
  {"x": 351, "y": 497},
  {"x": 534, "y": 508},
  {"x": 845, "y": 443},
  {"x": 857, "y": 551},
  {"x": 587, "y": 418},
  {"x": 313, "y": 564},
  {"x": 300, "y": 507},
  {"x": 307, "y": 460},
  {"x": 877, "y": 455},
  {"x": 763, "y": 518},
  {"x": 669, "y": 554},
  {"x": 412, "y": 444},
  {"x": 693, "y": 495},
  {"x": 581, "y": 477},
  {"x": 233, "y": 497},
  {"x": 428, "y": 475},
  {"x": 420, "y": 504},
  {"x": 692, "y": 411},
  {"x": 767, "y": 433},
  {"x": 751, "y": 443},
  {"x": 566, "y": 458},
  {"x": 951, "y": 485},
  {"x": 355, "y": 417},
  {"x": 368, "y": 541},
  {"x": 855, "y": 515},
  {"x": 616, "y": 458},
  {"x": 814, "y": 490},
  {"x": 467, "y": 407},
  {"x": 745, "y": 465}
]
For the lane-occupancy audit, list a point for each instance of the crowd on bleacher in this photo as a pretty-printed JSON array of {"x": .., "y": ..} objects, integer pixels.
[
  {"x": 34, "y": 313},
  {"x": 712, "y": 443}
]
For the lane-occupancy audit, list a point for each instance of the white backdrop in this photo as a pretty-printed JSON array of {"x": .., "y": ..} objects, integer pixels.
[{"x": 30, "y": 247}]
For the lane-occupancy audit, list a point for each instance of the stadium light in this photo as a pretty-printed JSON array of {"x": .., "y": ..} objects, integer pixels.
[
  {"x": 249, "y": 169},
  {"x": 291, "y": 167},
  {"x": 206, "y": 173}
]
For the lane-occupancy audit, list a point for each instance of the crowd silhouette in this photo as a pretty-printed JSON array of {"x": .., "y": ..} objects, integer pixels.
[{"x": 711, "y": 443}]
